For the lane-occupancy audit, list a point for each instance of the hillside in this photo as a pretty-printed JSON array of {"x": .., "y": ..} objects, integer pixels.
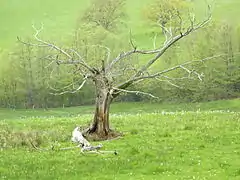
[{"x": 59, "y": 17}]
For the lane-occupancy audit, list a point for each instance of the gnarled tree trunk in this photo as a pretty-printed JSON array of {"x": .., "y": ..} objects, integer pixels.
[{"x": 100, "y": 125}]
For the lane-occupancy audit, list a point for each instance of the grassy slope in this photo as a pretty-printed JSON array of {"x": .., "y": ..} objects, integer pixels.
[
  {"x": 184, "y": 145},
  {"x": 16, "y": 17},
  {"x": 60, "y": 17}
]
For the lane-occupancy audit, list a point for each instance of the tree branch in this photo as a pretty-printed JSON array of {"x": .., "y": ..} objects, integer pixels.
[
  {"x": 135, "y": 92},
  {"x": 169, "y": 82},
  {"x": 169, "y": 41},
  {"x": 158, "y": 74},
  {"x": 46, "y": 44},
  {"x": 72, "y": 92}
]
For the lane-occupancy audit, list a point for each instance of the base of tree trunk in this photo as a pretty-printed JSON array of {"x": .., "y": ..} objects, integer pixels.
[{"x": 94, "y": 136}]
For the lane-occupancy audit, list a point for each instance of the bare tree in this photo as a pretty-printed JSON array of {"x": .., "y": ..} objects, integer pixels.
[
  {"x": 105, "y": 13},
  {"x": 111, "y": 79}
]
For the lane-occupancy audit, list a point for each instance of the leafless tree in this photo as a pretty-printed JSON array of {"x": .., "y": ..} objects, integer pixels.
[
  {"x": 111, "y": 79},
  {"x": 105, "y": 13}
]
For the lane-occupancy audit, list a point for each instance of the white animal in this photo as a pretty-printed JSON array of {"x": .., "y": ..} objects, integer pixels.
[{"x": 77, "y": 137}]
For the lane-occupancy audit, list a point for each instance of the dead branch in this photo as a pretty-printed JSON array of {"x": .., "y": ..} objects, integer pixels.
[
  {"x": 169, "y": 41},
  {"x": 62, "y": 90},
  {"x": 37, "y": 31},
  {"x": 131, "y": 41},
  {"x": 62, "y": 51},
  {"x": 135, "y": 92},
  {"x": 71, "y": 92},
  {"x": 169, "y": 82},
  {"x": 154, "y": 41},
  {"x": 159, "y": 74}
]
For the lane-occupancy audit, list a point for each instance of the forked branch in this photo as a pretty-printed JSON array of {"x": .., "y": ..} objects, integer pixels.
[
  {"x": 134, "y": 92},
  {"x": 70, "y": 58},
  {"x": 170, "y": 39},
  {"x": 165, "y": 71}
]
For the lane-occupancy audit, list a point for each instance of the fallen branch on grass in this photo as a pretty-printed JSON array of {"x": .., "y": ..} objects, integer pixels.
[{"x": 77, "y": 137}]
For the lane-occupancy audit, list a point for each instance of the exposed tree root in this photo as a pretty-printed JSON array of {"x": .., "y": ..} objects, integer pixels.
[{"x": 94, "y": 136}]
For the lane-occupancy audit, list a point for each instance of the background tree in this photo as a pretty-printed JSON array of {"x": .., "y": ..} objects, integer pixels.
[
  {"x": 107, "y": 14},
  {"x": 167, "y": 13}
]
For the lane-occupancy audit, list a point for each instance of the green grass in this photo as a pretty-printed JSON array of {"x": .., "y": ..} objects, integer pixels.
[
  {"x": 60, "y": 17},
  {"x": 175, "y": 145},
  {"x": 116, "y": 108}
]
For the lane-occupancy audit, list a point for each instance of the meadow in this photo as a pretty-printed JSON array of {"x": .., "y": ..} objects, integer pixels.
[{"x": 160, "y": 141}]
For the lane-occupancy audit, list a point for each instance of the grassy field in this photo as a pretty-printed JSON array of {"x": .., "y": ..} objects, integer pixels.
[
  {"x": 60, "y": 17},
  {"x": 119, "y": 108},
  {"x": 184, "y": 141},
  {"x": 160, "y": 141}
]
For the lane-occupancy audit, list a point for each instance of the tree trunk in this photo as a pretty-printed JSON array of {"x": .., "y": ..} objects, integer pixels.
[{"x": 100, "y": 125}]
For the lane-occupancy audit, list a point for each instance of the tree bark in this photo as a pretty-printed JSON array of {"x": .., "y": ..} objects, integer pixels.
[{"x": 100, "y": 125}]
